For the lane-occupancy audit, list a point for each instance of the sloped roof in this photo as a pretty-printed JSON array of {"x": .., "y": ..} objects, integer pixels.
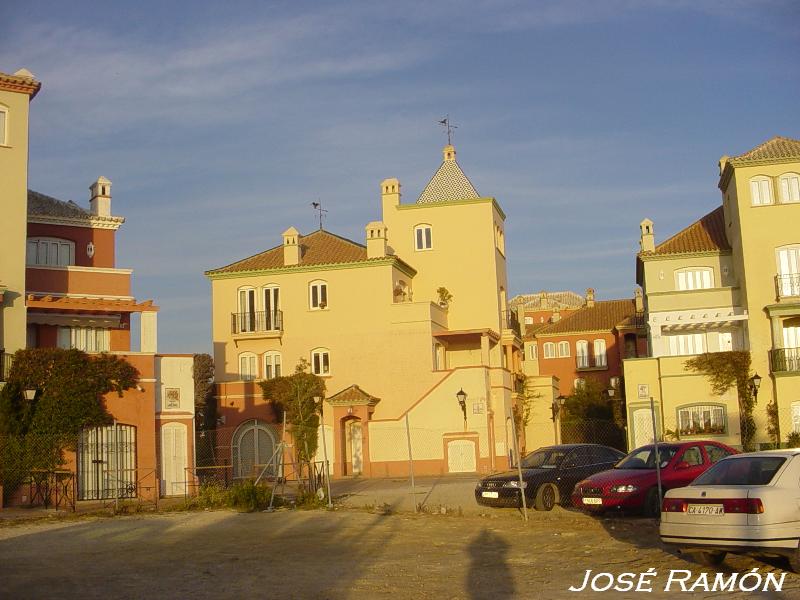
[
  {"x": 318, "y": 248},
  {"x": 448, "y": 183},
  {"x": 47, "y": 206},
  {"x": 353, "y": 395},
  {"x": 548, "y": 300},
  {"x": 707, "y": 234},
  {"x": 777, "y": 148},
  {"x": 605, "y": 315}
]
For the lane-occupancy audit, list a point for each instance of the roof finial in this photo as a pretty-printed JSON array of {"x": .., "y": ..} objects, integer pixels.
[
  {"x": 318, "y": 207},
  {"x": 448, "y": 128}
]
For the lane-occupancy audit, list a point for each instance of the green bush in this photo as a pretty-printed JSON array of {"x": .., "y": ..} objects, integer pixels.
[
  {"x": 245, "y": 497},
  {"x": 793, "y": 439}
]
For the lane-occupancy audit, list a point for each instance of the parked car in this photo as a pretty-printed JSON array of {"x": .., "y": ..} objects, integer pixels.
[
  {"x": 548, "y": 475},
  {"x": 744, "y": 504},
  {"x": 633, "y": 485}
]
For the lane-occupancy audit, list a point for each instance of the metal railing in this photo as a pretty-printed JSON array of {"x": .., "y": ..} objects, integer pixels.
[
  {"x": 784, "y": 359},
  {"x": 787, "y": 286},
  {"x": 5, "y": 365},
  {"x": 257, "y": 321},
  {"x": 587, "y": 361},
  {"x": 510, "y": 320}
]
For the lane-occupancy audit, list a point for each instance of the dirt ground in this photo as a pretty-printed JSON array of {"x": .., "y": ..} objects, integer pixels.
[{"x": 339, "y": 554}]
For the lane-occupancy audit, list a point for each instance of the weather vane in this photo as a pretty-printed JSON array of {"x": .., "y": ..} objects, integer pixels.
[
  {"x": 449, "y": 128},
  {"x": 318, "y": 207}
]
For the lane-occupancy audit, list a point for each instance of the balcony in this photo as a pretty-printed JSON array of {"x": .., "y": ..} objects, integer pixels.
[
  {"x": 5, "y": 365},
  {"x": 509, "y": 320},
  {"x": 585, "y": 362},
  {"x": 257, "y": 324},
  {"x": 787, "y": 286},
  {"x": 783, "y": 360}
]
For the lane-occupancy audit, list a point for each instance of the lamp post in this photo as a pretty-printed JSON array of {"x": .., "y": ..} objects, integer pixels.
[
  {"x": 558, "y": 404},
  {"x": 461, "y": 396},
  {"x": 318, "y": 401}
]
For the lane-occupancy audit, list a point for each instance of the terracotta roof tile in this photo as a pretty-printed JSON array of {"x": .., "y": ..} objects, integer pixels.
[
  {"x": 318, "y": 248},
  {"x": 603, "y": 316},
  {"x": 548, "y": 300},
  {"x": 353, "y": 395},
  {"x": 704, "y": 235},
  {"x": 777, "y": 148}
]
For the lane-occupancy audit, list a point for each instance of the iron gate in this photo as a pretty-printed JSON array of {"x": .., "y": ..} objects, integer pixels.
[{"x": 107, "y": 463}]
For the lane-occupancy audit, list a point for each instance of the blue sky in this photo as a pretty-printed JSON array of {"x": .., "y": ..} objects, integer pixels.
[{"x": 219, "y": 123}]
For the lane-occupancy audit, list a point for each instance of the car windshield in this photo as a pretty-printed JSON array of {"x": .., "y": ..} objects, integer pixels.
[
  {"x": 750, "y": 470},
  {"x": 547, "y": 458},
  {"x": 645, "y": 458}
]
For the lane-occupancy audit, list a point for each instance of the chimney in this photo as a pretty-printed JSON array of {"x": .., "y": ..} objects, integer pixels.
[
  {"x": 589, "y": 297},
  {"x": 376, "y": 239},
  {"x": 556, "y": 315},
  {"x": 100, "y": 199},
  {"x": 390, "y": 194},
  {"x": 722, "y": 162},
  {"x": 647, "y": 241},
  {"x": 638, "y": 300},
  {"x": 291, "y": 247}
]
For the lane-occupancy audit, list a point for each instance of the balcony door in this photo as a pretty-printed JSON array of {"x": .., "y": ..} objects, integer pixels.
[
  {"x": 791, "y": 337},
  {"x": 789, "y": 271},
  {"x": 247, "y": 310},
  {"x": 272, "y": 306}
]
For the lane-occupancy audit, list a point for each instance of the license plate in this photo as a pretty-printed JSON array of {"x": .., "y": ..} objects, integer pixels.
[
  {"x": 490, "y": 494},
  {"x": 705, "y": 509},
  {"x": 592, "y": 500}
]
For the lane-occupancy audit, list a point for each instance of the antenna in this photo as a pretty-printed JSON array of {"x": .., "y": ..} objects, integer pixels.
[
  {"x": 448, "y": 128},
  {"x": 318, "y": 207}
]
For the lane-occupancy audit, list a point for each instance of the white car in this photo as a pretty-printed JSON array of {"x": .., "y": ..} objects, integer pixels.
[{"x": 744, "y": 504}]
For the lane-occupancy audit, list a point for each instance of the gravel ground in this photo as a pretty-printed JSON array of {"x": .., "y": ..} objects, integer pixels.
[{"x": 339, "y": 554}]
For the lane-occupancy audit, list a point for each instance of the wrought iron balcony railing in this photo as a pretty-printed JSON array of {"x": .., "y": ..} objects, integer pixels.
[
  {"x": 257, "y": 321},
  {"x": 586, "y": 361},
  {"x": 784, "y": 359},
  {"x": 787, "y": 286},
  {"x": 5, "y": 365},
  {"x": 511, "y": 321}
]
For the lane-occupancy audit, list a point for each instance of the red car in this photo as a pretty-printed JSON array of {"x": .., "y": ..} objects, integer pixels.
[{"x": 632, "y": 483}]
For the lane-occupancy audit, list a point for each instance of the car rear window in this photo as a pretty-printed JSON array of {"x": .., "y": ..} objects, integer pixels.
[{"x": 751, "y": 470}]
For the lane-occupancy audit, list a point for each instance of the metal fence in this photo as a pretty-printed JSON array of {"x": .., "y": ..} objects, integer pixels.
[{"x": 593, "y": 431}]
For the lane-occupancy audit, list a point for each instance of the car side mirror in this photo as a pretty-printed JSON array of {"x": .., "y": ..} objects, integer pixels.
[{"x": 683, "y": 465}]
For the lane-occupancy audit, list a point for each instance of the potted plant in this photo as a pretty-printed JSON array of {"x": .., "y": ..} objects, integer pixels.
[{"x": 444, "y": 296}]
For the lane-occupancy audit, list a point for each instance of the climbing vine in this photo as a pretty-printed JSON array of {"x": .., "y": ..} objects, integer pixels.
[{"x": 725, "y": 370}]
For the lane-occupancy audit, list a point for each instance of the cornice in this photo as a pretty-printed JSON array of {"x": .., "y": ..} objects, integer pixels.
[
  {"x": 486, "y": 199},
  {"x": 651, "y": 256},
  {"x": 372, "y": 262},
  {"x": 92, "y": 222},
  {"x": 22, "y": 85}
]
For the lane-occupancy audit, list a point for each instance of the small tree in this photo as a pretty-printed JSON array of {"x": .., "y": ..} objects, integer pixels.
[
  {"x": 295, "y": 396},
  {"x": 204, "y": 405},
  {"x": 589, "y": 401}
]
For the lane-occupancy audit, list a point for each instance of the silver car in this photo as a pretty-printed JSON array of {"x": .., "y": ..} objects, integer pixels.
[{"x": 744, "y": 504}]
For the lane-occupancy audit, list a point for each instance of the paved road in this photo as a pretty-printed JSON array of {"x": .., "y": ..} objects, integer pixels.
[{"x": 340, "y": 554}]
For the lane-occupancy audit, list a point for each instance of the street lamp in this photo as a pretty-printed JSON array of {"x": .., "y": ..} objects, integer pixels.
[
  {"x": 318, "y": 401},
  {"x": 755, "y": 383},
  {"x": 29, "y": 394},
  {"x": 558, "y": 404},
  {"x": 461, "y": 396}
]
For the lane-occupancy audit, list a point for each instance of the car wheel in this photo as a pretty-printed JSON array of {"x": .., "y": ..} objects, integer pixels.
[
  {"x": 794, "y": 561},
  {"x": 546, "y": 497},
  {"x": 652, "y": 504},
  {"x": 711, "y": 559}
]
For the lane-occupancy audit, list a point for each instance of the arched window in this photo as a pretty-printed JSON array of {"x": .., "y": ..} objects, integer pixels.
[
  {"x": 248, "y": 367},
  {"x": 318, "y": 295},
  {"x": 246, "y": 307},
  {"x": 600, "y": 358},
  {"x": 423, "y": 237},
  {"x": 788, "y": 263},
  {"x": 253, "y": 450},
  {"x": 272, "y": 364},
  {"x": 563, "y": 349},
  {"x": 52, "y": 252},
  {"x": 549, "y": 350},
  {"x": 582, "y": 354},
  {"x": 760, "y": 190},
  {"x": 321, "y": 361},
  {"x": 789, "y": 186},
  {"x": 694, "y": 279}
]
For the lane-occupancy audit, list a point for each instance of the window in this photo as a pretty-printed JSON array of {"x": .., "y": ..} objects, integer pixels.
[
  {"x": 272, "y": 305},
  {"x": 761, "y": 190},
  {"x": 318, "y": 295},
  {"x": 599, "y": 353},
  {"x": 549, "y": 350},
  {"x": 579, "y": 383},
  {"x": 3, "y": 127},
  {"x": 694, "y": 279},
  {"x": 51, "y": 252},
  {"x": 563, "y": 349},
  {"x": 247, "y": 366},
  {"x": 582, "y": 353},
  {"x": 715, "y": 453},
  {"x": 788, "y": 281},
  {"x": 692, "y": 456},
  {"x": 247, "y": 309},
  {"x": 528, "y": 320},
  {"x": 272, "y": 365},
  {"x": 748, "y": 470},
  {"x": 789, "y": 185},
  {"x": 320, "y": 362},
  {"x": 686, "y": 344},
  {"x": 439, "y": 359},
  {"x": 88, "y": 339},
  {"x": 701, "y": 419},
  {"x": 533, "y": 351},
  {"x": 422, "y": 237}
]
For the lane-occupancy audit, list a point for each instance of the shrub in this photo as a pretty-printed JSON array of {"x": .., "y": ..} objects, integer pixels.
[
  {"x": 244, "y": 496},
  {"x": 793, "y": 439}
]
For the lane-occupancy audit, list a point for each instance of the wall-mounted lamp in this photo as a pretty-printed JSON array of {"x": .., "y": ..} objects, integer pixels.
[
  {"x": 461, "y": 396},
  {"x": 29, "y": 394},
  {"x": 755, "y": 383}
]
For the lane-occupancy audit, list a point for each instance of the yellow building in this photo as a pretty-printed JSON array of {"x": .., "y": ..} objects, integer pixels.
[
  {"x": 16, "y": 92},
  {"x": 370, "y": 319},
  {"x": 730, "y": 281}
]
